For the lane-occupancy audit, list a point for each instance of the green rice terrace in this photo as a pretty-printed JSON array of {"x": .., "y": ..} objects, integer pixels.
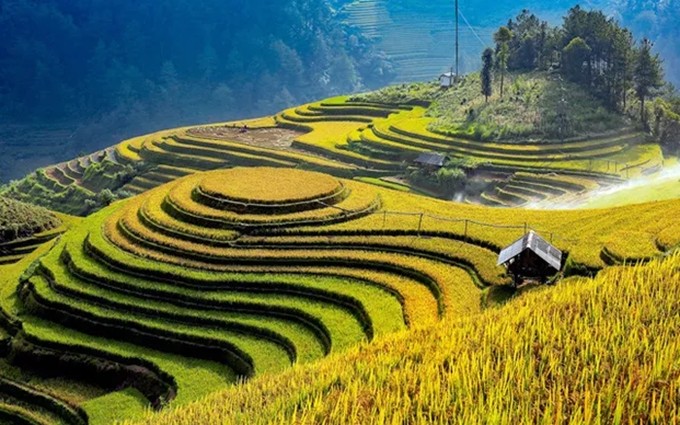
[
  {"x": 495, "y": 247},
  {"x": 214, "y": 254},
  {"x": 510, "y": 149},
  {"x": 226, "y": 275}
]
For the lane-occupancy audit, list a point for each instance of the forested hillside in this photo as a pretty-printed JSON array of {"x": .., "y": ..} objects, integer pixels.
[
  {"x": 90, "y": 73},
  {"x": 399, "y": 25}
]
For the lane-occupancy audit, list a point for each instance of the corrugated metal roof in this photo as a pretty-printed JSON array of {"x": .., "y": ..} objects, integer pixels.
[
  {"x": 431, "y": 158},
  {"x": 538, "y": 245}
]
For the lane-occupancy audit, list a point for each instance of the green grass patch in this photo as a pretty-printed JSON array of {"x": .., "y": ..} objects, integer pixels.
[{"x": 527, "y": 110}]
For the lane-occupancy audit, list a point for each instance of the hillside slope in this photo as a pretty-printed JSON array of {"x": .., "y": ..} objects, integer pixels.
[
  {"x": 528, "y": 111},
  {"x": 378, "y": 135},
  {"x": 140, "y": 68},
  {"x": 599, "y": 351},
  {"x": 231, "y": 274}
]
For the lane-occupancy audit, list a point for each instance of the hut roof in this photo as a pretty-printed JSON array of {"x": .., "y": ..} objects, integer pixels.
[
  {"x": 431, "y": 158},
  {"x": 535, "y": 243}
]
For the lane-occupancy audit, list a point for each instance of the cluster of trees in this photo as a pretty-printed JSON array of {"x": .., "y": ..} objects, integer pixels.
[
  {"x": 448, "y": 181},
  {"x": 174, "y": 61},
  {"x": 588, "y": 48},
  {"x": 667, "y": 120}
]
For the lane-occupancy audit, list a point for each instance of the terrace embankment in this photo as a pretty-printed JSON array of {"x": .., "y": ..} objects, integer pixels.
[{"x": 185, "y": 273}]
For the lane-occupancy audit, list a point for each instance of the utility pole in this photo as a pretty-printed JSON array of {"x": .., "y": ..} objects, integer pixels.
[
  {"x": 457, "y": 69},
  {"x": 562, "y": 112}
]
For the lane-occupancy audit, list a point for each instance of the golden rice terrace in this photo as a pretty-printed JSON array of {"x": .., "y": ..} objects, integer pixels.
[
  {"x": 230, "y": 274},
  {"x": 351, "y": 138}
]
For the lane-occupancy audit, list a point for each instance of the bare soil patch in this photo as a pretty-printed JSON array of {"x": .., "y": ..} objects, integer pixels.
[{"x": 276, "y": 138}]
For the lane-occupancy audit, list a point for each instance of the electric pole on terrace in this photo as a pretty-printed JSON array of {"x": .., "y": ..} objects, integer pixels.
[{"x": 457, "y": 70}]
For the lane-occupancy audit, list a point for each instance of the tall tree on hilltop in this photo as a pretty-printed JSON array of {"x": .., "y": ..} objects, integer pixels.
[
  {"x": 575, "y": 60},
  {"x": 622, "y": 67},
  {"x": 647, "y": 76},
  {"x": 541, "y": 45},
  {"x": 524, "y": 45},
  {"x": 502, "y": 38},
  {"x": 487, "y": 69}
]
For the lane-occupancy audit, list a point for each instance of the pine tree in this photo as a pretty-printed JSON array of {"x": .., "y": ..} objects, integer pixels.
[
  {"x": 486, "y": 77},
  {"x": 502, "y": 38},
  {"x": 575, "y": 57},
  {"x": 648, "y": 75}
]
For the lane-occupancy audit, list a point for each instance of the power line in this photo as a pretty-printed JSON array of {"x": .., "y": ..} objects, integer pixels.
[{"x": 472, "y": 29}]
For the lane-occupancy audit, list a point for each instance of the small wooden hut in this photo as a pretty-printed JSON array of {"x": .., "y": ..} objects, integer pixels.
[
  {"x": 431, "y": 161},
  {"x": 531, "y": 257}
]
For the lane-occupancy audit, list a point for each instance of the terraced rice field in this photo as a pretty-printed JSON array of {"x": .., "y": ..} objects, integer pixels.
[
  {"x": 67, "y": 186},
  {"x": 419, "y": 40},
  {"x": 606, "y": 344},
  {"x": 348, "y": 139},
  {"x": 72, "y": 172},
  {"x": 229, "y": 274},
  {"x": 173, "y": 275},
  {"x": 396, "y": 135}
]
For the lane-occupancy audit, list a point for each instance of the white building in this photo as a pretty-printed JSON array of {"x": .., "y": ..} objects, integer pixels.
[{"x": 447, "y": 79}]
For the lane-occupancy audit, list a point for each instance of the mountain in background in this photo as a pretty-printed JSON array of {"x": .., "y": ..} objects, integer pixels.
[
  {"x": 78, "y": 76},
  {"x": 418, "y": 36}
]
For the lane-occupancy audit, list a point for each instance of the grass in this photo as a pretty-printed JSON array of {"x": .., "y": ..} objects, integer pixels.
[
  {"x": 189, "y": 340},
  {"x": 306, "y": 161},
  {"x": 402, "y": 94},
  {"x": 239, "y": 292},
  {"x": 292, "y": 335},
  {"x": 114, "y": 282},
  {"x": 528, "y": 110},
  {"x": 70, "y": 187},
  {"x": 212, "y": 277},
  {"x": 386, "y": 184},
  {"x": 586, "y": 342},
  {"x": 15, "y": 250},
  {"x": 194, "y": 377},
  {"x": 44, "y": 405},
  {"x": 480, "y": 260},
  {"x": 179, "y": 201}
]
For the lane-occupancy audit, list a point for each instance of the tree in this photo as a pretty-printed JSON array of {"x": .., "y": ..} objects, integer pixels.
[
  {"x": 575, "y": 56},
  {"x": 487, "y": 68},
  {"x": 451, "y": 180},
  {"x": 541, "y": 46},
  {"x": 648, "y": 75},
  {"x": 622, "y": 63},
  {"x": 502, "y": 38},
  {"x": 524, "y": 45}
]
